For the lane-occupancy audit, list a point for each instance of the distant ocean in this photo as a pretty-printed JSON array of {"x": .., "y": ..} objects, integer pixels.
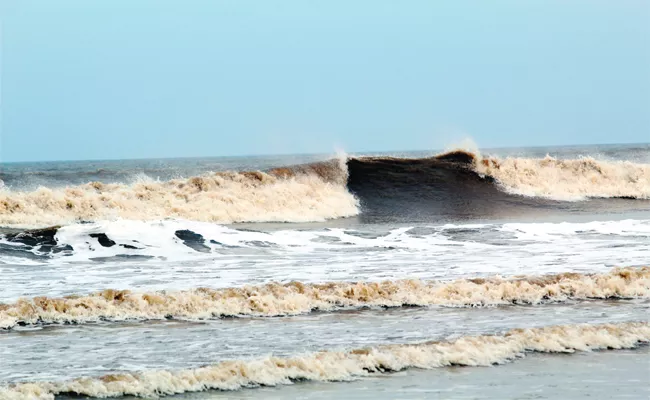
[{"x": 377, "y": 276}]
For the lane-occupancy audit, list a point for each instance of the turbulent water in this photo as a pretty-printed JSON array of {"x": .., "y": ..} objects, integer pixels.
[{"x": 192, "y": 277}]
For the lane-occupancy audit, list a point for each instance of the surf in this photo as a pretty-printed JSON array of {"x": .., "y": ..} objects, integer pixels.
[
  {"x": 346, "y": 365},
  {"x": 453, "y": 185},
  {"x": 276, "y": 299}
]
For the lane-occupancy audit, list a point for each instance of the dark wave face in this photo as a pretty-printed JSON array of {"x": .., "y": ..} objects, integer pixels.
[
  {"x": 449, "y": 188},
  {"x": 423, "y": 190},
  {"x": 454, "y": 186}
]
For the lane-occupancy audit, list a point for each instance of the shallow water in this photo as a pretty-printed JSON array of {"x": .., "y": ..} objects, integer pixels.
[
  {"x": 597, "y": 375},
  {"x": 57, "y": 352}
]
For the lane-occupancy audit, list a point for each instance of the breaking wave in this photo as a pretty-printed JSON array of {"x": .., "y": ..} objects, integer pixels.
[
  {"x": 569, "y": 179},
  {"x": 297, "y": 298},
  {"x": 457, "y": 183},
  {"x": 329, "y": 366},
  {"x": 303, "y": 194}
]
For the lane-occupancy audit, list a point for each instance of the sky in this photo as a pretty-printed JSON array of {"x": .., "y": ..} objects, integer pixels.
[{"x": 153, "y": 78}]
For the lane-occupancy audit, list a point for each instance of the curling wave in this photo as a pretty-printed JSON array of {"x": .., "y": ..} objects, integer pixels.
[
  {"x": 456, "y": 184},
  {"x": 297, "y": 298},
  {"x": 331, "y": 366}
]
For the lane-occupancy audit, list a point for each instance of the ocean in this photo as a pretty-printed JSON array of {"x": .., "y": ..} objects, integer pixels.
[{"x": 466, "y": 274}]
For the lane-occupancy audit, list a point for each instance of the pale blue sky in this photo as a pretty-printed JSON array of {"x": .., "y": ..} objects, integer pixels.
[{"x": 150, "y": 78}]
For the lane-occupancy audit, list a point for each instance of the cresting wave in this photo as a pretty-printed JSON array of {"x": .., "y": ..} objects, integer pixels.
[
  {"x": 569, "y": 179},
  {"x": 301, "y": 194},
  {"x": 331, "y": 366},
  {"x": 332, "y": 189},
  {"x": 297, "y": 298}
]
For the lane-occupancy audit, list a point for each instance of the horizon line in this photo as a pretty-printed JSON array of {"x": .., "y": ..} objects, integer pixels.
[{"x": 333, "y": 153}]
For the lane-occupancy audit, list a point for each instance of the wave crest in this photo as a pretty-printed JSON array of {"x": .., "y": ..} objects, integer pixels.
[
  {"x": 330, "y": 366},
  {"x": 458, "y": 183},
  {"x": 297, "y": 298},
  {"x": 574, "y": 179},
  {"x": 300, "y": 194}
]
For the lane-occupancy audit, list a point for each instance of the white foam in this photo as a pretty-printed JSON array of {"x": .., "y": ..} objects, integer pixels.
[
  {"x": 238, "y": 257},
  {"x": 328, "y": 366},
  {"x": 298, "y": 298},
  {"x": 225, "y": 197},
  {"x": 570, "y": 180}
]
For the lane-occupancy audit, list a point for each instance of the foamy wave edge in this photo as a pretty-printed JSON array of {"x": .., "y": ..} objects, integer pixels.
[
  {"x": 294, "y": 298},
  {"x": 568, "y": 180},
  {"x": 303, "y": 193},
  {"x": 329, "y": 366}
]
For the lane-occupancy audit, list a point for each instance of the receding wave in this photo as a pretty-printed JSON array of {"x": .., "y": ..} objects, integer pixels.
[
  {"x": 296, "y": 298},
  {"x": 457, "y": 183},
  {"x": 332, "y": 366}
]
